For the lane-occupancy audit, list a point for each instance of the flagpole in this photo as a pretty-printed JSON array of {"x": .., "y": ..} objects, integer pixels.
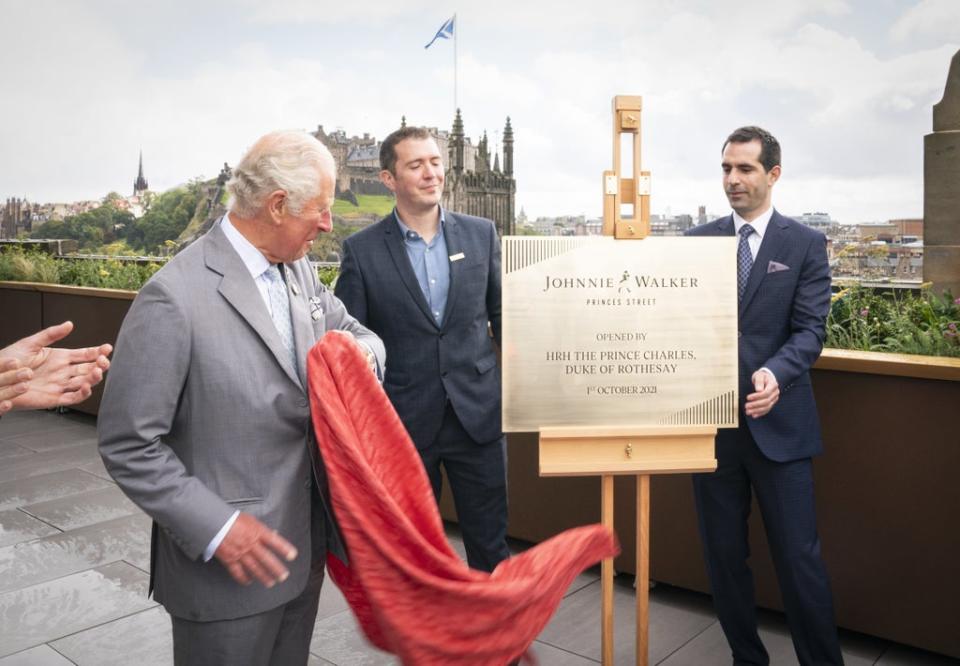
[{"x": 456, "y": 31}]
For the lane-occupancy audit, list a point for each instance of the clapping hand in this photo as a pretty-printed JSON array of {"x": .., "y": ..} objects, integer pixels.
[{"x": 34, "y": 375}]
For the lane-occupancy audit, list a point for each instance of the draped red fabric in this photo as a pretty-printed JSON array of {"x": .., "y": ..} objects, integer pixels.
[{"x": 411, "y": 593}]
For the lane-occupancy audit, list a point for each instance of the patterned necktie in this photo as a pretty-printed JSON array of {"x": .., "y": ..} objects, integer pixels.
[
  {"x": 280, "y": 310},
  {"x": 744, "y": 259}
]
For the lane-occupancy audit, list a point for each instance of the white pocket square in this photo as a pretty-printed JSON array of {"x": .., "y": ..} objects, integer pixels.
[{"x": 776, "y": 267}]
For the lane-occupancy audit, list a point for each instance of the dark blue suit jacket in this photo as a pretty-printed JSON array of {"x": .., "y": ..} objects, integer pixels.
[
  {"x": 782, "y": 326},
  {"x": 427, "y": 363}
]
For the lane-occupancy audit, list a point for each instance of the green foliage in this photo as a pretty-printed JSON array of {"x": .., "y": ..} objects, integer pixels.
[
  {"x": 168, "y": 216},
  {"x": 369, "y": 204},
  {"x": 91, "y": 229},
  {"x": 20, "y": 266},
  {"x": 328, "y": 274},
  {"x": 868, "y": 320}
]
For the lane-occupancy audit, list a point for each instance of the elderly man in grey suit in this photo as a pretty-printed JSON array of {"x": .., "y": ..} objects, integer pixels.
[
  {"x": 427, "y": 281},
  {"x": 205, "y": 421}
]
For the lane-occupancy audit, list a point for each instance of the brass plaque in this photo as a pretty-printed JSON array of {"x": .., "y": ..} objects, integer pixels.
[{"x": 600, "y": 332}]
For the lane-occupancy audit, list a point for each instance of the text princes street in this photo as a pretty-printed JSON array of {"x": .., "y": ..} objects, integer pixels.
[{"x": 642, "y": 281}]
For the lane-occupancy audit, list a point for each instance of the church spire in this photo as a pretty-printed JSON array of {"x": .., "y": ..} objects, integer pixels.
[
  {"x": 140, "y": 184},
  {"x": 508, "y": 148},
  {"x": 456, "y": 143}
]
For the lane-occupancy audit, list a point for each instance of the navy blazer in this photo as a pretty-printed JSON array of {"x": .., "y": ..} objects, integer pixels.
[
  {"x": 429, "y": 363},
  {"x": 782, "y": 325}
]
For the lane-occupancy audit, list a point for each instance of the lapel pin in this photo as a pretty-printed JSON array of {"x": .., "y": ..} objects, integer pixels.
[{"x": 456, "y": 257}]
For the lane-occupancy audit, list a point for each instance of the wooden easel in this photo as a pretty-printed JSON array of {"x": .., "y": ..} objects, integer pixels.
[{"x": 638, "y": 451}]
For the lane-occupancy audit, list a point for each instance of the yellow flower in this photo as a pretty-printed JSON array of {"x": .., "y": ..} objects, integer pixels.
[
  {"x": 840, "y": 294},
  {"x": 104, "y": 273}
]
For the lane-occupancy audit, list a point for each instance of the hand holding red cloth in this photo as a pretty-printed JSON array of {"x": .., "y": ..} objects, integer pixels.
[{"x": 411, "y": 593}]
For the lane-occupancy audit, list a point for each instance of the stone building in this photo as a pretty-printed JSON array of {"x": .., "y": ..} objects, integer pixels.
[
  {"x": 17, "y": 216},
  {"x": 486, "y": 190}
]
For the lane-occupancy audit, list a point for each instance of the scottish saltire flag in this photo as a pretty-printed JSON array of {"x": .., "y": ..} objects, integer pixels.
[{"x": 445, "y": 31}]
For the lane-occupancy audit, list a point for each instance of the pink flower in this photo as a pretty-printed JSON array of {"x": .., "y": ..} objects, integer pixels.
[{"x": 864, "y": 312}]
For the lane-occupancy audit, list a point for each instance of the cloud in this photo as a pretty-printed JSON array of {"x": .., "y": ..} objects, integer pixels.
[
  {"x": 849, "y": 112},
  {"x": 930, "y": 19}
]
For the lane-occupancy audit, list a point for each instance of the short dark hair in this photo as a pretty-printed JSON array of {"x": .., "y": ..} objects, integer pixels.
[
  {"x": 388, "y": 149},
  {"x": 769, "y": 146}
]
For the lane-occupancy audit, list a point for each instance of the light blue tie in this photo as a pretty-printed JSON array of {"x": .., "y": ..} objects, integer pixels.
[
  {"x": 280, "y": 310},
  {"x": 744, "y": 259}
]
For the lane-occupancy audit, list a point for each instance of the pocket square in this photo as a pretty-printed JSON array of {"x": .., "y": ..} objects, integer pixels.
[{"x": 776, "y": 267}]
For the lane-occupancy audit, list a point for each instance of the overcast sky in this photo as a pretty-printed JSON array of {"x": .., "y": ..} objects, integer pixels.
[{"x": 846, "y": 85}]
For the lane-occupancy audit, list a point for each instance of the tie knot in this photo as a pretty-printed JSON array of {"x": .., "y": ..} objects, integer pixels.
[
  {"x": 746, "y": 230},
  {"x": 272, "y": 274}
]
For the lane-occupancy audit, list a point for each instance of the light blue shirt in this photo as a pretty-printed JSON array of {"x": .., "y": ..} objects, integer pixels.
[{"x": 430, "y": 264}]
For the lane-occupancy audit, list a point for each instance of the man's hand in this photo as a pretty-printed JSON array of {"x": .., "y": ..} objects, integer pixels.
[
  {"x": 250, "y": 551},
  {"x": 57, "y": 377},
  {"x": 13, "y": 382},
  {"x": 768, "y": 392},
  {"x": 367, "y": 353}
]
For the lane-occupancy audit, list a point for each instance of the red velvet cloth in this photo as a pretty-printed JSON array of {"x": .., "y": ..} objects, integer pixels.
[{"x": 411, "y": 593}]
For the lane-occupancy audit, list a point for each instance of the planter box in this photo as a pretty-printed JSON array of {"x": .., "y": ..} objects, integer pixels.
[
  {"x": 96, "y": 313},
  {"x": 887, "y": 501}
]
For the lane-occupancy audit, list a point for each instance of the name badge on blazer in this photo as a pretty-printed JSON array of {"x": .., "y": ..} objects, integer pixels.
[
  {"x": 456, "y": 257},
  {"x": 315, "y": 310}
]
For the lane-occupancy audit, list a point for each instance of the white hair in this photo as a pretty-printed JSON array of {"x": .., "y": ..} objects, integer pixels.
[{"x": 289, "y": 160}]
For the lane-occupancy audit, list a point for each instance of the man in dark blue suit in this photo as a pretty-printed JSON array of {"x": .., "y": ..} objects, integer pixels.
[
  {"x": 427, "y": 281},
  {"x": 784, "y": 286}
]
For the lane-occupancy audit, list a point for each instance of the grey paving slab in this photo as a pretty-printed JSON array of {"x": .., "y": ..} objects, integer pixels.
[
  {"x": 10, "y": 452},
  {"x": 710, "y": 647},
  {"x": 43, "y": 487},
  {"x": 49, "y": 461},
  {"x": 75, "y": 511},
  {"x": 97, "y": 469},
  {"x": 338, "y": 639},
  {"x": 51, "y": 440},
  {"x": 41, "y": 613},
  {"x": 17, "y": 526},
  {"x": 576, "y": 625},
  {"x": 549, "y": 655},
  {"x": 18, "y": 423},
  {"x": 42, "y": 655},
  {"x": 331, "y": 600},
  {"x": 144, "y": 639},
  {"x": 902, "y": 655},
  {"x": 58, "y": 555}
]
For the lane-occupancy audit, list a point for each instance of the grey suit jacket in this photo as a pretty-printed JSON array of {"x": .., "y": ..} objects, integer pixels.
[{"x": 203, "y": 414}]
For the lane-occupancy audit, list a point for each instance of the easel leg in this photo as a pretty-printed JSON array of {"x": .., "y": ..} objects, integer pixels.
[
  {"x": 606, "y": 575},
  {"x": 643, "y": 568}
]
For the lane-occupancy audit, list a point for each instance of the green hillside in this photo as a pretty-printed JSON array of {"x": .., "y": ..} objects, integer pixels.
[{"x": 370, "y": 205}]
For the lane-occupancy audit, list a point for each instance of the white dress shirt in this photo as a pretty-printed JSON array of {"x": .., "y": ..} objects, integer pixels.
[{"x": 759, "y": 225}]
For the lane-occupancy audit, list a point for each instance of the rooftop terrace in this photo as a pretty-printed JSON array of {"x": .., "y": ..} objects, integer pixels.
[{"x": 74, "y": 557}]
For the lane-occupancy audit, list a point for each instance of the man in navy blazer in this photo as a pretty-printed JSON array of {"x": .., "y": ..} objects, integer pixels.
[
  {"x": 427, "y": 281},
  {"x": 784, "y": 287}
]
